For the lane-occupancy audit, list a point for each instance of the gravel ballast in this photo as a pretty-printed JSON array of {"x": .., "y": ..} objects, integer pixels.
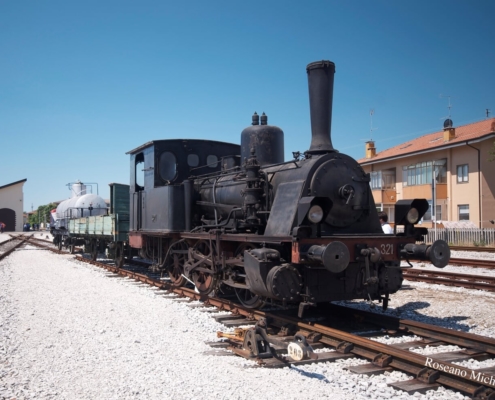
[{"x": 68, "y": 331}]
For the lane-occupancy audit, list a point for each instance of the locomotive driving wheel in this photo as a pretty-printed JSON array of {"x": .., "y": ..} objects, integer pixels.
[
  {"x": 174, "y": 263},
  {"x": 94, "y": 249},
  {"x": 119, "y": 255},
  {"x": 203, "y": 275},
  {"x": 247, "y": 298}
]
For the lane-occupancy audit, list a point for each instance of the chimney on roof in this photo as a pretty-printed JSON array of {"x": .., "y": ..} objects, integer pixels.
[
  {"x": 370, "y": 149},
  {"x": 448, "y": 130}
]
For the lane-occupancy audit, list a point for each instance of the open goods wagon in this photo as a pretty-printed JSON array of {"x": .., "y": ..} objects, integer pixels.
[{"x": 104, "y": 233}]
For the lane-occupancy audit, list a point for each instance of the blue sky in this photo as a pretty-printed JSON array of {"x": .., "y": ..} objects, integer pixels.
[{"x": 82, "y": 83}]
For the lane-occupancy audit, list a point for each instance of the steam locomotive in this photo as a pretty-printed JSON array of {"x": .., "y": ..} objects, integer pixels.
[{"x": 305, "y": 231}]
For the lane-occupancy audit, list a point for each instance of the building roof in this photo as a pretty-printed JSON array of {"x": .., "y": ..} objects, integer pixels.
[
  {"x": 435, "y": 141},
  {"x": 13, "y": 183}
]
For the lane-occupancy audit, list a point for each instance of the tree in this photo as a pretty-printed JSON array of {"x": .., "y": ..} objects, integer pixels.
[{"x": 42, "y": 214}]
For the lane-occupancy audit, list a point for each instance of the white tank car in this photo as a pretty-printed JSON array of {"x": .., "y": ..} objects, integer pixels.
[{"x": 79, "y": 205}]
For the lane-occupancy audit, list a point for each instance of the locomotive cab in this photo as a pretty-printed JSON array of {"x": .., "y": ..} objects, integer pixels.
[{"x": 158, "y": 171}]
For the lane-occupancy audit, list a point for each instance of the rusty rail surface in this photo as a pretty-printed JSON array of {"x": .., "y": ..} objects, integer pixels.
[
  {"x": 489, "y": 264},
  {"x": 478, "y": 282},
  {"x": 21, "y": 239},
  {"x": 473, "y": 248}
]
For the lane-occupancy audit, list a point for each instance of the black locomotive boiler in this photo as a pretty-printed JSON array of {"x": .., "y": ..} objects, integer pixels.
[{"x": 304, "y": 231}]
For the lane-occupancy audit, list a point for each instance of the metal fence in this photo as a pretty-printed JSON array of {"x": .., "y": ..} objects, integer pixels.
[{"x": 463, "y": 236}]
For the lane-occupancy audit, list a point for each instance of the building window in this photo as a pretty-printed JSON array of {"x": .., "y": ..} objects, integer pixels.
[
  {"x": 462, "y": 173},
  {"x": 427, "y": 216},
  {"x": 438, "y": 214},
  {"x": 376, "y": 180},
  {"x": 463, "y": 212},
  {"x": 422, "y": 173},
  {"x": 383, "y": 179}
]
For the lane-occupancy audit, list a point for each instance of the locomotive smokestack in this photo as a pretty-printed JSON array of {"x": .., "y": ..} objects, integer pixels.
[{"x": 320, "y": 81}]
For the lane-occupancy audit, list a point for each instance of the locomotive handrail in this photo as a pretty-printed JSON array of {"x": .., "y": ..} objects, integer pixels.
[
  {"x": 218, "y": 225},
  {"x": 233, "y": 171},
  {"x": 90, "y": 209}
]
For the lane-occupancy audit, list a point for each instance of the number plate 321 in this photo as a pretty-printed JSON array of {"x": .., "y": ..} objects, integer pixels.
[{"x": 387, "y": 248}]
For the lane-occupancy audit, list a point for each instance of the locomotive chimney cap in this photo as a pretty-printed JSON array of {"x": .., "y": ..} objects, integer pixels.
[
  {"x": 320, "y": 64},
  {"x": 320, "y": 84}
]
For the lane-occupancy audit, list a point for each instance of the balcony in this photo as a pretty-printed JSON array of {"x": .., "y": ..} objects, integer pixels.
[{"x": 423, "y": 192}]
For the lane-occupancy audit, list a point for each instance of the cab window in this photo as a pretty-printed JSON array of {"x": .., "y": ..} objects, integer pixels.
[
  {"x": 168, "y": 166},
  {"x": 192, "y": 160},
  {"x": 212, "y": 161},
  {"x": 139, "y": 171}
]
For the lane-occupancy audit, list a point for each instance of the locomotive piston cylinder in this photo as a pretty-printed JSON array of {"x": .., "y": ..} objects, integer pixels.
[
  {"x": 334, "y": 256},
  {"x": 438, "y": 253}
]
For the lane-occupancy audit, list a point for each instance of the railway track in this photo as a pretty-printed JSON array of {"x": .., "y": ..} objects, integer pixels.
[
  {"x": 489, "y": 264},
  {"x": 8, "y": 246},
  {"x": 277, "y": 339},
  {"x": 473, "y": 248},
  {"x": 468, "y": 281}
]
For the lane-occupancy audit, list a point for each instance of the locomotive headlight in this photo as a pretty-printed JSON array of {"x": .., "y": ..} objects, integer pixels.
[
  {"x": 412, "y": 216},
  {"x": 315, "y": 214}
]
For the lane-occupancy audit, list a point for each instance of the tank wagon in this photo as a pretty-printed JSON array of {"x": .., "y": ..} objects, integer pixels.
[
  {"x": 304, "y": 231},
  {"x": 104, "y": 233},
  {"x": 80, "y": 204}
]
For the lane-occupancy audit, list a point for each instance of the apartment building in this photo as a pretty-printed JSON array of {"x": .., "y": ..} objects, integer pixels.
[{"x": 450, "y": 168}]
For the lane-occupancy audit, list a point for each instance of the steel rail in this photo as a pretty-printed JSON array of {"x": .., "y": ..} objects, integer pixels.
[
  {"x": 450, "y": 336},
  {"x": 490, "y": 264},
  {"x": 404, "y": 360},
  {"x": 14, "y": 248},
  {"x": 473, "y": 248},
  {"x": 479, "y": 282}
]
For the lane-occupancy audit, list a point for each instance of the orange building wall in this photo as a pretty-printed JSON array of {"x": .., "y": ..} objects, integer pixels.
[
  {"x": 487, "y": 184},
  {"x": 465, "y": 192}
]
